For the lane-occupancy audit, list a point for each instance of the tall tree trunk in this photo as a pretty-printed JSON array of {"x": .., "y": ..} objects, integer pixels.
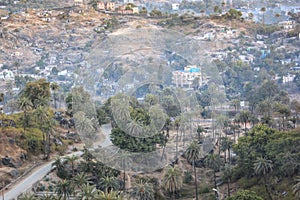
[
  {"x": 124, "y": 180},
  {"x": 55, "y": 103},
  {"x": 229, "y": 159},
  {"x": 215, "y": 179},
  {"x": 196, "y": 181},
  {"x": 45, "y": 144},
  {"x": 267, "y": 188},
  {"x": 176, "y": 144},
  {"x": 228, "y": 187}
]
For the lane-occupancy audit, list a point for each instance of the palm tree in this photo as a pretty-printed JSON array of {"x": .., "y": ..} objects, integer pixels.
[
  {"x": 177, "y": 125},
  {"x": 60, "y": 167},
  {"x": 108, "y": 183},
  {"x": 43, "y": 118},
  {"x": 126, "y": 161},
  {"x": 112, "y": 195},
  {"x": 263, "y": 10},
  {"x": 48, "y": 129},
  {"x": 236, "y": 104},
  {"x": 72, "y": 160},
  {"x": 88, "y": 192},
  {"x": 64, "y": 189},
  {"x": 214, "y": 162},
  {"x": 244, "y": 117},
  {"x": 172, "y": 181},
  {"x": 25, "y": 105},
  {"x": 54, "y": 87},
  {"x": 48, "y": 197},
  {"x": 227, "y": 176},
  {"x": 27, "y": 196},
  {"x": 226, "y": 144},
  {"x": 263, "y": 166},
  {"x": 80, "y": 180},
  {"x": 142, "y": 191},
  {"x": 193, "y": 154},
  {"x": 296, "y": 187}
]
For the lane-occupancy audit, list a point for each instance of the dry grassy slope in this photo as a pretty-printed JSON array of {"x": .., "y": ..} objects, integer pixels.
[
  {"x": 22, "y": 32},
  {"x": 8, "y": 146}
]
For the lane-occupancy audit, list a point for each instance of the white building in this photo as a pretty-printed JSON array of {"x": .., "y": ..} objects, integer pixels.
[
  {"x": 7, "y": 75},
  {"x": 287, "y": 25},
  {"x": 79, "y": 3},
  {"x": 175, "y": 6},
  {"x": 187, "y": 77}
]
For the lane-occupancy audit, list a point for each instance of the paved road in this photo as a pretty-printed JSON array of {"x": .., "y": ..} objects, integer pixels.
[
  {"x": 26, "y": 183},
  {"x": 37, "y": 174}
]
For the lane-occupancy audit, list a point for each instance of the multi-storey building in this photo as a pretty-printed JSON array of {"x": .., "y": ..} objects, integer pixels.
[{"x": 190, "y": 76}]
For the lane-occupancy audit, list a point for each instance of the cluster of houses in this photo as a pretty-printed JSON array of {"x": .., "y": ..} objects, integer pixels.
[{"x": 127, "y": 7}]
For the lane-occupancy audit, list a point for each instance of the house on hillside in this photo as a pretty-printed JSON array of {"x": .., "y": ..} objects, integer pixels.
[
  {"x": 7, "y": 75},
  {"x": 175, "y": 6},
  {"x": 190, "y": 76},
  {"x": 110, "y": 6},
  {"x": 101, "y": 6},
  {"x": 287, "y": 25},
  {"x": 79, "y": 3},
  {"x": 128, "y": 9}
]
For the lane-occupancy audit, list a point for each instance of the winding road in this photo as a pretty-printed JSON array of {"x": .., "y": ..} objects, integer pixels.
[
  {"x": 29, "y": 180},
  {"x": 38, "y": 173}
]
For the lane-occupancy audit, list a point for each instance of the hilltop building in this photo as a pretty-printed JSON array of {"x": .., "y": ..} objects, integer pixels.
[
  {"x": 79, "y": 3},
  {"x": 111, "y": 6}
]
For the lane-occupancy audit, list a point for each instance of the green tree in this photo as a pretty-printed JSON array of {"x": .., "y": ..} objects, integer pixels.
[
  {"x": 214, "y": 162},
  {"x": 172, "y": 180},
  {"x": 112, "y": 195},
  {"x": 25, "y": 105},
  {"x": 38, "y": 92},
  {"x": 44, "y": 118},
  {"x": 88, "y": 192},
  {"x": 54, "y": 87},
  {"x": 233, "y": 14},
  {"x": 80, "y": 180},
  {"x": 59, "y": 164},
  {"x": 193, "y": 153},
  {"x": 284, "y": 111},
  {"x": 142, "y": 191},
  {"x": 227, "y": 173},
  {"x": 263, "y": 166},
  {"x": 27, "y": 196},
  {"x": 71, "y": 160},
  {"x": 217, "y": 10},
  {"x": 252, "y": 146},
  {"x": 64, "y": 189},
  {"x": 200, "y": 130},
  {"x": 108, "y": 183},
  {"x": 245, "y": 195},
  {"x": 236, "y": 104},
  {"x": 244, "y": 117},
  {"x": 226, "y": 145}
]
